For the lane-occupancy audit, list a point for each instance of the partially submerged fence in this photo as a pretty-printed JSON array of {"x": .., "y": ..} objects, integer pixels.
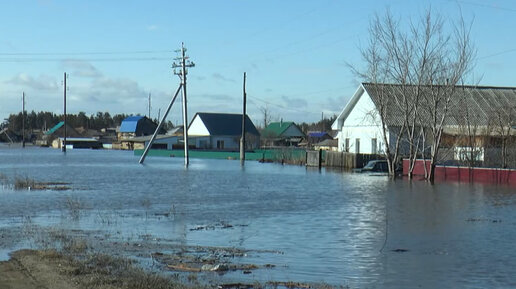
[
  {"x": 349, "y": 160},
  {"x": 463, "y": 173},
  {"x": 284, "y": 155}
]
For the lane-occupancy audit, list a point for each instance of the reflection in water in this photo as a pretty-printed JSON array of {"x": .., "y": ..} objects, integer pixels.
[{"x": 328, "y": 225}]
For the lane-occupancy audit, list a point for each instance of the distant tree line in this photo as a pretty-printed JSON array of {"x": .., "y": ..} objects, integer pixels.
[
  {"x": 45, "y": 120},
  {"x": 321, "y": 125}
]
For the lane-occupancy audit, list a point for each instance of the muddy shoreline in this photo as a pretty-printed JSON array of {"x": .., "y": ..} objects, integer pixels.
[
  {"x": 61, "y": 258},
  {"x": 49, "y": 268}
]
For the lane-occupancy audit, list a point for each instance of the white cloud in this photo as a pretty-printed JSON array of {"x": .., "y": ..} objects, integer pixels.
[
  {"x": 81, "y": 68},
  {"x": 41, "y": 83},
  {"x": 152, "y": 27},
  {"x": 294, "y": 102},
  {"x": 109, "y": 91}
]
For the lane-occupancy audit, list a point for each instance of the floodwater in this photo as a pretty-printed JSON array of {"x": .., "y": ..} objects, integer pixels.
[{"x": 340, "y": 228}]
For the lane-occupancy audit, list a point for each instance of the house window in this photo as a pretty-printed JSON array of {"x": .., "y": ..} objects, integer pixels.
[
  {"x": 220, "y": 144},
  {"x": 346, "y": 145},
  {"x": 357, "y": 145},
  {"x": 374, "y": 148}
]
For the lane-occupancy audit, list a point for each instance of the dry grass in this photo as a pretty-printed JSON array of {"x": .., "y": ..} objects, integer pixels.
[
  {"x": 74, "y": 206},
  {"x": 25, "y": 183}
]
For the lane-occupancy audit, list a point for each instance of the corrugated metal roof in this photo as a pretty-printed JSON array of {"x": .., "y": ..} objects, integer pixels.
[
  {"x": 317, "y": 134},
  {"x": 148, "y": 137},
  {"x": 226, "y": 123},
  {"x": 473, "y": 104},
  {"x": 130, "y": 123},
  {"x": 275, "y": 129},
  {"x": 56, "y": 127}
]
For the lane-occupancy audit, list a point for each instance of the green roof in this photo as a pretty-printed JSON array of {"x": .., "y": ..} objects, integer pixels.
[
  {"x": 275, "y": 129},
  {"x": 56, "y": 127}
]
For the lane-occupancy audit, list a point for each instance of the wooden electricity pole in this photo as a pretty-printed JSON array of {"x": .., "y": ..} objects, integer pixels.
[
  {"x": 183, "y": 63},
  {"x": 150, "y": 107},
  {"x": 23, "y": 119},
  {"x": 242, "y": 139},
  {"x": 64, "y": 141}
]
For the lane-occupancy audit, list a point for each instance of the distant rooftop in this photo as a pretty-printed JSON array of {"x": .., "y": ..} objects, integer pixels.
[
  {"x": 130, "y": 123},
  {"x": 54, "y": 128}
]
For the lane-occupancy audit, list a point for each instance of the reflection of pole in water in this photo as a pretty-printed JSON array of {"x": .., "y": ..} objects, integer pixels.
[
  {"x": 64, "y": 142},
  {"x": 23, "y": 119}
]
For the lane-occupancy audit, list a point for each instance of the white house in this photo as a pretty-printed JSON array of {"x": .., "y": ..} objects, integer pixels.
[
  {"x": 473, "y": 112},
  {"x": 359, "y": 126},
  {"x": 221, "y": 131}
]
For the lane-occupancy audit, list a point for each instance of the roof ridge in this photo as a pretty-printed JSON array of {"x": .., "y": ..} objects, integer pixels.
[{"x": 427, "y": 85}]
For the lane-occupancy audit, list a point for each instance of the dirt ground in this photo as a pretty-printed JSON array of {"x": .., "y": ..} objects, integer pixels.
[{"x": 31, "y": 269}]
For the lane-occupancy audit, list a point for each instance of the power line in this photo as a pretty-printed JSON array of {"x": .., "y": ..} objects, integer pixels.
[
  {"x": 120, "y": 59},
  {"x": 484, "y": 5},
  {"x": 498, "y": 53},
  {"x": 84, "y": 53}
]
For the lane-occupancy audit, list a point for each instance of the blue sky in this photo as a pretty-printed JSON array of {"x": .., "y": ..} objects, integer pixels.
[{"x": 294, "y": 52}]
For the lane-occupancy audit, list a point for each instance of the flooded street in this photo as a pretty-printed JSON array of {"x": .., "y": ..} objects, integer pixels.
[{"x": 310, "y": 225}]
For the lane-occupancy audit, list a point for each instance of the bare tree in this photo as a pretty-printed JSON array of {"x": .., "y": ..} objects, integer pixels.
[
  {"x": 470, "y": 133},
  {"x": 414, "y": 74},
  {"x": 267, "y": 117},
  {"x": 452, "y": 62},
  {"x": 502, "y": 121}
]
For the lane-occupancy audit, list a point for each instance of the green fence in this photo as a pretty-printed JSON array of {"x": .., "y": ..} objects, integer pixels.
[{"x": 287, "y": 154}]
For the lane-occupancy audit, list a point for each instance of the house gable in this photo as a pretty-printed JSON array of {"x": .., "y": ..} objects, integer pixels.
[
  {"x": 339, "y": 122},
  {"x": 197, "y": 127},
  {"x": 283, "y": 129},
  {"x": 364, "y": 113},
  {"x": 292, "y": 131}
]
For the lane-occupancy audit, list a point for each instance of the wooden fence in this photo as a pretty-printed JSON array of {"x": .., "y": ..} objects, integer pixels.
[{"x": 349, "y": 160}]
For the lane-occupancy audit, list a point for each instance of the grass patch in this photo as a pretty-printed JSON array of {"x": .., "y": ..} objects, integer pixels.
[
  {"x": 25, "y": 183},
  {"x": 74, "y": 207}
]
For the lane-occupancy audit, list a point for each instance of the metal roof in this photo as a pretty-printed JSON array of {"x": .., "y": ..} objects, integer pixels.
[
  {"x": 56, "y": 127},
  {"x": 148, "y": 137},
  {"x": 477, "y": 105},
  {"x": 276, "y": 129},
  {"x": 79, "y": 139},
  {"x": 317, "y": 134},
  {"x": 226, "y": 123},
  {"x": 130, "y": 123}
]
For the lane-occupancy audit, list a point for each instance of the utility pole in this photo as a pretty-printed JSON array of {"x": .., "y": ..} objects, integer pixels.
[
  {"x": 184, "y": 63},
  {"x": 23, "y": 119},
  {"x": 242, "y": 140},
  {"x": 64, "y": 141},
  {"x": 150, "y": 106}
]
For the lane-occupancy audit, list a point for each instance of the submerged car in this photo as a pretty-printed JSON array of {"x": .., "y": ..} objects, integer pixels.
[{"x": 377, "y": 166}]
